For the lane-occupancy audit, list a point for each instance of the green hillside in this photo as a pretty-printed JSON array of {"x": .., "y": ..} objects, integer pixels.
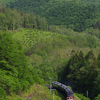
[
  {"x": 44, "y": 47},
  {"x": 32, "y": 51},
  {"x": 49, "y": 52},
  {"x": 38, "y": 61},
  {"x": 77, "y": 15}
]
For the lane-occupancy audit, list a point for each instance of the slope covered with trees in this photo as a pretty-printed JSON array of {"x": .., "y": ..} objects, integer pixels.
[
  {"x": 12, "y": 20},
  {"x": 77, "y": 15},
  {"x": 31, "y": 51},
  {"x": 51, "y": 59},
  {"x": 84, "y": 71},
  {"x": 14, "y": 71}
]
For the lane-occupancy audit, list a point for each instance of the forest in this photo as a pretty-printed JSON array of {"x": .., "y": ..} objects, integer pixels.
[
  {"x": 84, "y": 71},
  {"x": 32, "y": 49},
  {"x": 74, "y": 14}
]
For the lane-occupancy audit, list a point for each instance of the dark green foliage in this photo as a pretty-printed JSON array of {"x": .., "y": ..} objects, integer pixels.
[
  {"x": 83, "y": 71},
  {"x": 96, "y": 88},
  {"x": 77, "y": 15},
  {"x": 97, "y": 80},
  {"x": 74, "y": 16},
  {"x": 98, "y": 60},
  {"x": 2, "y": 94}
]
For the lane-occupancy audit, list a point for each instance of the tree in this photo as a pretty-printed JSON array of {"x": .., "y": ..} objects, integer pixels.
[
  {"x": 14, "y": 71},
  {"x": 2, "y": 21}
]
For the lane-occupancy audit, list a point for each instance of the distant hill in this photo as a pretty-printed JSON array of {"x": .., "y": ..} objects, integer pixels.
[{"x": 77, "y": 15}]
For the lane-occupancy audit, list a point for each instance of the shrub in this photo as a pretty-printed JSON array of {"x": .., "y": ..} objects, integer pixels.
[
  {"x": 2, "y": 94},
  {"x": 98, "y": 97},
  {"x": 82, "y": 97}
]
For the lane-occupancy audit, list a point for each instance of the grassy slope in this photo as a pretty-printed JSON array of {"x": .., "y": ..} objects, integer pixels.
[
  {"x": 77, "y": 98},
  {"x": 35, "y": 92}
]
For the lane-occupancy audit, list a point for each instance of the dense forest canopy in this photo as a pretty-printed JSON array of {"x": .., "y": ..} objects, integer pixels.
[{"x": 77, "y": 15}]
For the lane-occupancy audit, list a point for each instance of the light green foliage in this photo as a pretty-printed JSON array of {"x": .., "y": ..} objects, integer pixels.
[
  {"x": 76, "y": 97},
  {"x": 2, "y": 94},
  {"x": 35, "y": 92},
  {"x": 2, "y": 21},
  {"x": 47, "y": 51},
  {"x": 14, "y": 71},
  {"x": 9, "y": 20},
  {"x": 98, "y": 97},
  {"x": 13, "y": 20},
  {"x": 82, "y": 97}
]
